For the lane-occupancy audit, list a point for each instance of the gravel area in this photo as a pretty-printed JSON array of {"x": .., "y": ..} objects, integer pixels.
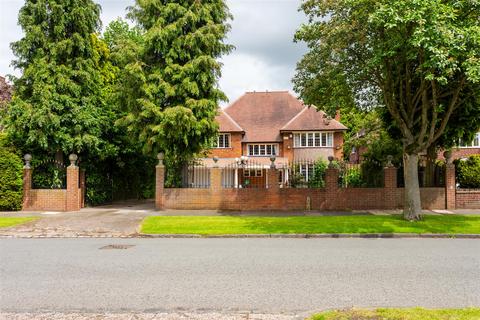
[{"x": 145, "y": 316}]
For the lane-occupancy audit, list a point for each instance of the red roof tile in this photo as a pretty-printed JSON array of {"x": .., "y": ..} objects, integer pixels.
[
  {"x": 311, "y": 119},
  {"x": 263, "y": 114},
  {"x": 226, "y": 123}
]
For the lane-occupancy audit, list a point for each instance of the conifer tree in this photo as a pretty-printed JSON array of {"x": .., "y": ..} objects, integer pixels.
[
  {"x": 177, "y": 74},
  {"x": 58, "y": 105}
]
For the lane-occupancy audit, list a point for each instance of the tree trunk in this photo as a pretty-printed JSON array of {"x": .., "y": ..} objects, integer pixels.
[{"x": 413, "y": 207}]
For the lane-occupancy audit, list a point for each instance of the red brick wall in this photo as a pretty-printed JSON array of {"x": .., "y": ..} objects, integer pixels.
[
  {"x": 70, "y": 199},
  {"x": 329, "y": 198},
  {"x": 296, "y": 199},
  {"x": 459, "y": 153},
  {"x": 46, "y": 200},
  {"x": 468, "y": 199}
]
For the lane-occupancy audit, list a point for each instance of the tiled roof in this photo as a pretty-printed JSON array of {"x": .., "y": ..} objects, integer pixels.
[
  {"x": 263, "y": 114},
  {"x": 226, "y": 123},
  {"x": 311, "y": 119}
]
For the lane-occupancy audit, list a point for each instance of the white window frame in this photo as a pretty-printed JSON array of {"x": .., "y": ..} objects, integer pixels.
[
  {"x": 223, "y": 137},
  {"x": 306, "y": 170},
  {"x": 247, "y": 173},
  {"x": 313, "y": 139},
  {"x": 475, "y": 143},
  {"x": 261, "y": 149}
]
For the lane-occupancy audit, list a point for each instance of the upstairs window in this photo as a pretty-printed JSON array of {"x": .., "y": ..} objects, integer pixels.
[
  {"x": 262, "y": 150},
  {"x": 223, "y": 141},
  {"x": 312, "y": 139},
  {"x": 474, "y": 144}
]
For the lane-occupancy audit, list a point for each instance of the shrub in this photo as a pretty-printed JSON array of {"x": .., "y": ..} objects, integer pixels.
[
  {"x": 468, "y": 172},
  {"x": 353, "y": 177},
  {"x": 318, "y": 178},
  {"x": 11, "y": 180}
]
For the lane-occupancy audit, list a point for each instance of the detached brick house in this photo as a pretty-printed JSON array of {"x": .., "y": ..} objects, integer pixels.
[{"x": 261, "y": 125}]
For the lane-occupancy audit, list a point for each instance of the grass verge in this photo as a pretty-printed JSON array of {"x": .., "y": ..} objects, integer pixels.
[
  {"x": 401, "y": 314},
  {"x": 225, "y": 225},
  {"x": 6, "y": 222}
]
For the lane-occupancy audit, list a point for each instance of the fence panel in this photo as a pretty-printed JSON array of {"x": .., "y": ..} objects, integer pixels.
[
  {"x": 196, "y": 175},
  {"x": 365, "y": 175}
]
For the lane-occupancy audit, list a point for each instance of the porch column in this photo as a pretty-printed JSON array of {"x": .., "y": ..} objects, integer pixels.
[
  {"x": 159, "y": 182},
  {"x": 236, "y": 178}
]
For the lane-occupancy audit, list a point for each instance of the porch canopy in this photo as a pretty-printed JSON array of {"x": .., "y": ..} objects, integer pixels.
[{"x": 261, "y": 162}]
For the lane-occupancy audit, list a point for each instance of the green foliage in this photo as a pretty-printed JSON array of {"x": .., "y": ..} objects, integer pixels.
[
  {"x": 417, "y": 59},
  {"x": 175, "y": 75},
  {"x": 318, "y": 178},
  {"x": 11, "y": 179},
  {"x": 468, "y": 172},
  {"x": 59, "y": 101},
  {"x": 352, "y": 177}
]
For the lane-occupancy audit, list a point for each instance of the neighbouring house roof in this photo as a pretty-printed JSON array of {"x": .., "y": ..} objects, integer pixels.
[
  {"x": 5, "y": 90},
  {"x": 311, "y": 119},
  {"x": 226, "y": 123},
  {"x": 263, "y": 114}
]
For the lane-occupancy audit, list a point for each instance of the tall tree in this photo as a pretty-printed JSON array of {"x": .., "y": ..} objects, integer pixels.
[
  {"x": 58, "y": 105},
  {"x": 176, "y": 76},
  {"x": 418, "y": 59}
]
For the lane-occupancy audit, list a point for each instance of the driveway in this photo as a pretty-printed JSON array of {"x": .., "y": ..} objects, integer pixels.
[{"x": 118, "y": 220}]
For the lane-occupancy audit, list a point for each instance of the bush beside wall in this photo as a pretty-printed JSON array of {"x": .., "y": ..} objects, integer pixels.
[
  {"x": 11, "y": 178},
  {"x": 468, "y": 172}
]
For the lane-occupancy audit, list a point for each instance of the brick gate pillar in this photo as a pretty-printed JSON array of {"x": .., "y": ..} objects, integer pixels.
[
  {"x": 390, "y": 185},
  {"x": 450, "y": 183},
  {"x": 331, "y": 187},
  {"x": 159, "y": 182},
  {"x": 73, "y": 185},
  {"x": 27, "y": 181}
]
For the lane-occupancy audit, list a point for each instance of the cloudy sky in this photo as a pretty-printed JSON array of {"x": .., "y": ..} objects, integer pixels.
[{"x": 262, "y": 32}]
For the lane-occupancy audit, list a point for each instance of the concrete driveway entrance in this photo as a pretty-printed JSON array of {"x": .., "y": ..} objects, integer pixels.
[{"x": 120, "y": 219}]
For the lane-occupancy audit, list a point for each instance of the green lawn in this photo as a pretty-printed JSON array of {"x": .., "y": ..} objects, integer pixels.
[
  {"x": 215, "y": 225},
  {"x": 401, "y": 314},
  {"x": 6, "y": 222}
]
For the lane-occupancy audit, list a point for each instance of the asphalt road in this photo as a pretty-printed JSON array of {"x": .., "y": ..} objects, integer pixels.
[{"x": 235, "y": 275}]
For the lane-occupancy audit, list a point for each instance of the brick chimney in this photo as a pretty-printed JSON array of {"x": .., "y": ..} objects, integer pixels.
[{"x": 337, "y": 115}]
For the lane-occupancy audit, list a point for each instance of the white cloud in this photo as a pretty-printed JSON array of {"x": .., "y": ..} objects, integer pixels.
[{"x": 262, "y": 32}]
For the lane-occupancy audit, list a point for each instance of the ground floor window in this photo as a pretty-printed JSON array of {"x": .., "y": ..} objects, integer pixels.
[
  {"x": 306, "y": 170},
  {"x": 253, "y": 173}
]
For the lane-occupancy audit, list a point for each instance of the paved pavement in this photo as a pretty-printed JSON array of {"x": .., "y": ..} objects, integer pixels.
[{"x": 236, "y": 276}]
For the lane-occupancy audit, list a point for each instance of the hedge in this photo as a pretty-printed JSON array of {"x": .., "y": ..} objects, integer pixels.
[
  {"x": 11, "y": 181},
  {"x": 468, "y": 172}
]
